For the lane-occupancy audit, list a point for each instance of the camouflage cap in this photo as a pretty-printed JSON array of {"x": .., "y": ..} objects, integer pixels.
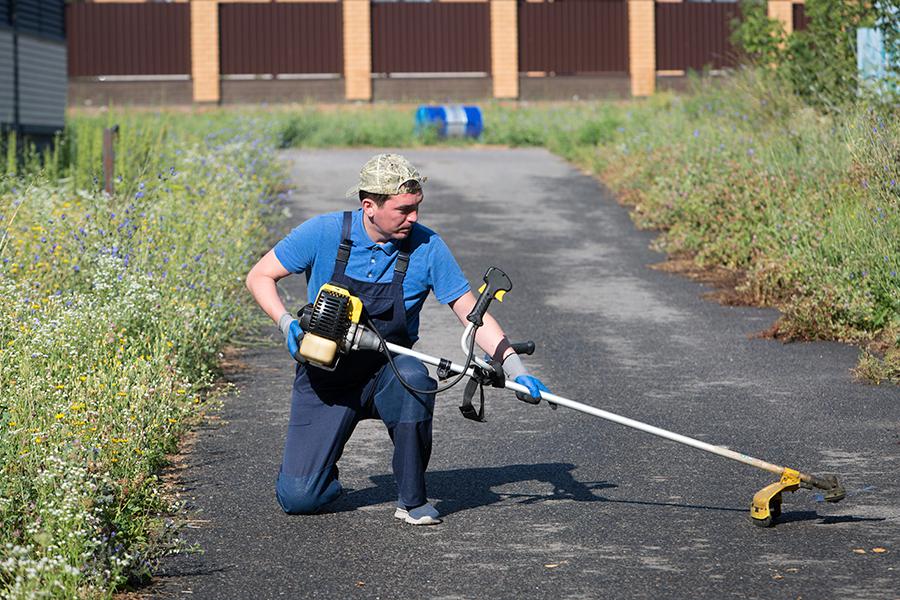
[{"x": 385, "y": 174}]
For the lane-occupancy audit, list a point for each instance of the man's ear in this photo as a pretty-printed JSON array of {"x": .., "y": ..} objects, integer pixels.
[{"x": 368, "y": 206}]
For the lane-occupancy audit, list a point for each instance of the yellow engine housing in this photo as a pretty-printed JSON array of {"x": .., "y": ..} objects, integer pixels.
[{"x": 325, "y": 350}]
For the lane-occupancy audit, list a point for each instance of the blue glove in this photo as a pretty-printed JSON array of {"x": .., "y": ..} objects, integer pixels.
[
  {"x": 295, "y": 334},
  {"x": 515, "y": 370},
  {"x": 535, "y": 387},
  {"x": 290, "y": 327}
]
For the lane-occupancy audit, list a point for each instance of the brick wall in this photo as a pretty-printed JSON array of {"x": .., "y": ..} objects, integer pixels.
[
  {"x": 205, "y": 50},
  {"x": 358, "y": 49},
  {"x": 504, "y": 49},
  {"x": 642, "y": 46}
]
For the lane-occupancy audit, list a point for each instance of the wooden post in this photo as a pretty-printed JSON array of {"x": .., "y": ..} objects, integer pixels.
[{"x": 109, "y": 158}]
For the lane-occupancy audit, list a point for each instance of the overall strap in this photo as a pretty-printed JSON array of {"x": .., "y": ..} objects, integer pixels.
[
  {"x": 343, "y": 253},
  {"x": 402, "y": 263}
]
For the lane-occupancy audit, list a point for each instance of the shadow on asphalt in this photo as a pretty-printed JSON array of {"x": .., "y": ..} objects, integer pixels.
[
  {"x": 811, "y": 515},
  {"x": 464, "y": 489}
]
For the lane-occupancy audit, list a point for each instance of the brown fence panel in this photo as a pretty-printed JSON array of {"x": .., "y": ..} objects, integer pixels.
[
  {"x": 692, "y": 35},
  {"x": 431, "y": 37},
  {"x": 128, "y": 39},
  {"x": 280, "y": 37},
  {"x": 578, "y": 36},
  {"x": 801, "y": 21}
]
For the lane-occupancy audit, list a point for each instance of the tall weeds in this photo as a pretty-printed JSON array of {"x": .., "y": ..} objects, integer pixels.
[{"x": 112, "y": 311}]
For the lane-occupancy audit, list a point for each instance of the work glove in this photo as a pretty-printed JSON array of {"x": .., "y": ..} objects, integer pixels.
[
  {"x": 515, "y": 370},
  {"x": 290, "y": 328}
]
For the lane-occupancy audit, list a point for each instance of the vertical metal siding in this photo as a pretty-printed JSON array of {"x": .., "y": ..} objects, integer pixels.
[
  {"x": 431, "y": 37},
  {"x": 129, "y": 39},
  {"x": 5, "y": 12},
  {"x": 580, "y": 36},
  {"x": 43, "y": 17},
  {"x": 801, "y": 21},
  {"x": 7, "y": 98},
  {"x": 692, "y": 35},
  {"x": 281, "y": 38},
  {"x": 42, "y": 81}
]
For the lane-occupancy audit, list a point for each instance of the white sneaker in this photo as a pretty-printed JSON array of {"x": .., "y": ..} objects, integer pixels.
[{"x": 423, "y": 515}]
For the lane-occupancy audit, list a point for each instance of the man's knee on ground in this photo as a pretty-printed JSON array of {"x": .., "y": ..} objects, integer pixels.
[{"x": 302, "y": 495}]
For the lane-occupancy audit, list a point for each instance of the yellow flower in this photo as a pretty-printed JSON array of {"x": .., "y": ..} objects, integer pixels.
[
  {"x": 12, "y": 423},
  {"x": 171, "y": 420},
  {"x": 180, "y": 392},
  {"x": 77, "y": 406},
  {"x": 59, "y": 416},
  {"x": 122, "y": 394},
  {"x": 60, "y": 387},
  {"x": 37, "y": 440}
]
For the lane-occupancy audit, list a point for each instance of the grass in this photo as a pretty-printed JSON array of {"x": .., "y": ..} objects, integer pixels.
[
  {"x": 112, "y": 312},
  {"x": 114, "y": 309}
]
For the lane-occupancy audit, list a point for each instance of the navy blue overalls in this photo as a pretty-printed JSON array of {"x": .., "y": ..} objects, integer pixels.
[{"x": 327, "y": 405}]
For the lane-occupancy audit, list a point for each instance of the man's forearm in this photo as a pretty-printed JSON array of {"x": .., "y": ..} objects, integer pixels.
[
  {"x": 490, "y": 336},
  {"x": 266, "y": 295},
  {"x": 491, "y": 339}
]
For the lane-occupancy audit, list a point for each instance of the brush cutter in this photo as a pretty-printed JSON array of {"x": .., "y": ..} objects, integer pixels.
[{"x": 333, "y": 327}]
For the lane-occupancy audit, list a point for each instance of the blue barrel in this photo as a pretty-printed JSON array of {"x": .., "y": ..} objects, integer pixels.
[{"x": 450, "y": 120}]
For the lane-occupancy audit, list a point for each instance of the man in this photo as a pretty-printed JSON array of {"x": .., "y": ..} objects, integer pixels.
[{"x": 386, "y": 258}]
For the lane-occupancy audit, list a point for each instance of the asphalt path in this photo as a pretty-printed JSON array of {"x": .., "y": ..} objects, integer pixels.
[{"x": 558, "y": 504}]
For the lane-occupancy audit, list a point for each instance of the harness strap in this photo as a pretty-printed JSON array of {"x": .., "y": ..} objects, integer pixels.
[
  {"x": 467, "y": 410},
  {"x": 343, "y": 253}
]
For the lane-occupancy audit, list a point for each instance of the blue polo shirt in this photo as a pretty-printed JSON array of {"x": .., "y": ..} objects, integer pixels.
[{"x": 311, "y": 248}]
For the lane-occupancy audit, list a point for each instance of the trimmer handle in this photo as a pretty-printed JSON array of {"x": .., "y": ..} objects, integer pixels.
[
  {"x": 523, "y": 347},
  {"x": 496, "y": 284}
]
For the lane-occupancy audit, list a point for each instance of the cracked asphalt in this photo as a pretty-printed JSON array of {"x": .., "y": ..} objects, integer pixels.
[{"x": 558, "y": 504}]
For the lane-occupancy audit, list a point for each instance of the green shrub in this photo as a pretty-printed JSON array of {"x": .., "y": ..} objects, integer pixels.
[{"x": 758, "y": 37}]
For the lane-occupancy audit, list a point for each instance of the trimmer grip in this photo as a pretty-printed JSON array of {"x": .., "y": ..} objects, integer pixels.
[
  {"x": 523, "y": 347},
  {"x": 496, "y": 284}
]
